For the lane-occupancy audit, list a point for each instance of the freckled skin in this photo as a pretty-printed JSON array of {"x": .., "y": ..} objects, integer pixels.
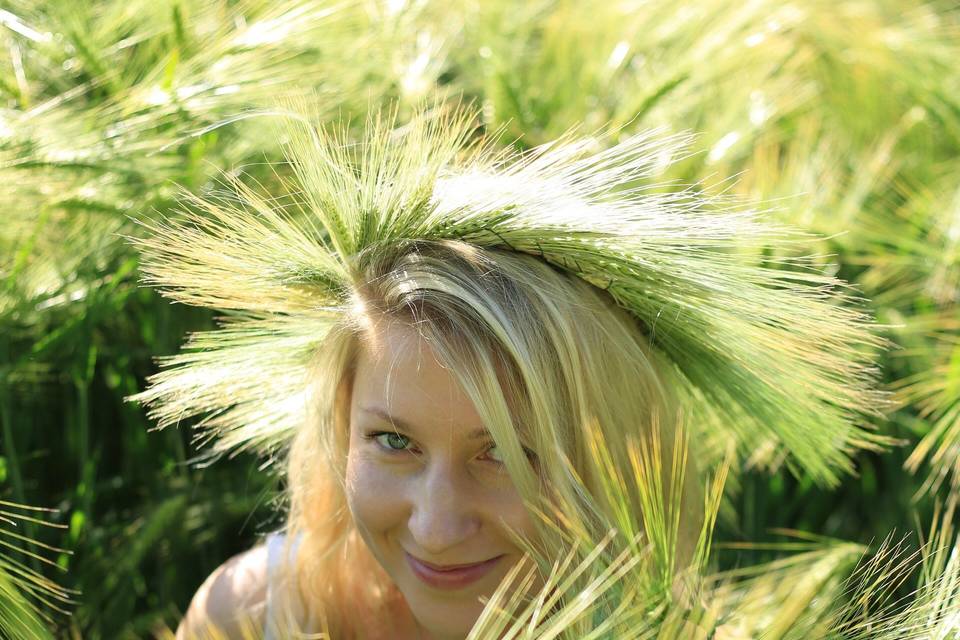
[{"x": 445, "y": 499}]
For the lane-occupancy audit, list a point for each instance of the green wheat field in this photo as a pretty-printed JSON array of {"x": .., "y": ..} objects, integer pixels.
[{"x": 839, "y": 118}]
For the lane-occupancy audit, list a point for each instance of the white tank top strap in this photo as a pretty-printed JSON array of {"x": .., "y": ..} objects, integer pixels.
[{"x": 284, "y": 611}]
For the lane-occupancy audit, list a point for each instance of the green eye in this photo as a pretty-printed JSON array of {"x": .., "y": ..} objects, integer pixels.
[
  {"x": 392, "y": 441},
  {"x": 493, "y": 455}
]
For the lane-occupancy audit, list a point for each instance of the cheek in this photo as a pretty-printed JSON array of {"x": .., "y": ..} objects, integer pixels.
[
  {"x": 503, "y": 508},
  {"x": 375, "y": 496},
  {"x": 513, "y": 513}
]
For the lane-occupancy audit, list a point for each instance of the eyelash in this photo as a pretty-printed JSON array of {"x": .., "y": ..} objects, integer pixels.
[
  {"x": 374, "y": 436},
  {"x": 390, "y": 450}
]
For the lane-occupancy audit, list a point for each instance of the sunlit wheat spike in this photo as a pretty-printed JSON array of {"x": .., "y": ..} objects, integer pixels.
[
  {"x": 27, "y": 597},
  {"x": 248, "y": 380}
]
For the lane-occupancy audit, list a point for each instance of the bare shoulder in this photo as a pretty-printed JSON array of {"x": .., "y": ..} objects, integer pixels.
[{"x": 231, "y": 600}]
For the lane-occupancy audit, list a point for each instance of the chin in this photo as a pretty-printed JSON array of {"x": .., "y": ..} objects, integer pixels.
[
  {"x": 446, "y": 615},
  {"x": 446, "y": 621}
]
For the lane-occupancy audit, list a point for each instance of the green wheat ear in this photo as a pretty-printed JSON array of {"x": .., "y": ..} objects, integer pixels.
[
  {"x": 772, "y": 355},
  {"x": 27, "y": 598}
]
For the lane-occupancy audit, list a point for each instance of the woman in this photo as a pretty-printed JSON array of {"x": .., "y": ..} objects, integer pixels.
[
  {"x": 422, "y": 376},
  {"x": 466, "y": 360}
]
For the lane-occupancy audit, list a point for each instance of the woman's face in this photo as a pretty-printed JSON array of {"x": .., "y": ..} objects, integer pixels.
[{"x": 425, "y": 485}]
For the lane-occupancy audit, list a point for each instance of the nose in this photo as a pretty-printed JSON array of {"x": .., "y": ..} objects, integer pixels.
[{"x": 444, "y": 510}]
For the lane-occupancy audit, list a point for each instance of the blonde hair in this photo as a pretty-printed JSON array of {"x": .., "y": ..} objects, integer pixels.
[{"x": 549, "y": 361}]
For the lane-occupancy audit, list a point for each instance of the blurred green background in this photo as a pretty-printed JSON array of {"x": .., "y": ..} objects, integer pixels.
[{"x": 842, "y": 118}]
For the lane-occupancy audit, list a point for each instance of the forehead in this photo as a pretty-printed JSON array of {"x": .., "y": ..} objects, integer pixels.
[{"x": 399, "y": 374}]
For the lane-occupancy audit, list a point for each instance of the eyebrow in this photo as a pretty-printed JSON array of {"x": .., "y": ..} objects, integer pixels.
[{"x": 476, "y": 434}]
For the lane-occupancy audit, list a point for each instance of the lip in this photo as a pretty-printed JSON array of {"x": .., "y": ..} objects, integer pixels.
[{"x": 452, "y": 577}]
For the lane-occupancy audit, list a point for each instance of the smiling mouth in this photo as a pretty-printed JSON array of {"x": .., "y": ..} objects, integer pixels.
[{"x": 450, "y": 576}]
